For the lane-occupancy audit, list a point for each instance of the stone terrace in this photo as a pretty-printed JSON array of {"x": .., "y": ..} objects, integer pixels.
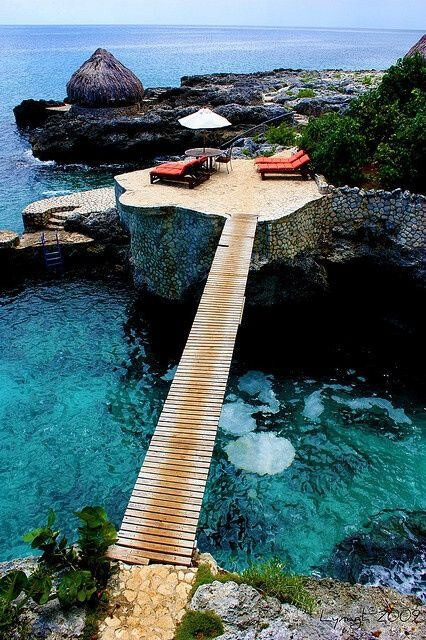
[{"x": 240, "y": 191}]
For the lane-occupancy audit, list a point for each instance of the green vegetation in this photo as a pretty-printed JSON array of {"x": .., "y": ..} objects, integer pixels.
[
  {"x": 80, "y": 570},
  {"x": 271, "y": 578},
  {"x": 306, "y": 93},
  {"x": 337, "y": 147},
  {"x": 246, "y": 152},
  {"x": 199, "y": 625},
  {"x": 367, "y": 80},
  {"x": 385, "y": 129},
  {"x": 282, "y": 134},
  {"x": 205, "y": 576}
]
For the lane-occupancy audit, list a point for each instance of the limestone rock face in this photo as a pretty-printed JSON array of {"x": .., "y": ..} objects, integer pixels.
[
  {"x": 8, "y": 239},
  {"x": 102, "y": 225},
  {"x": 343, "y": 612},
  {"x": 99, "y": 131},
  {"x": 239, "y": 606}
]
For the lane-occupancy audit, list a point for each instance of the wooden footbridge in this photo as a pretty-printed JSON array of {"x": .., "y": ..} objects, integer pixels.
[{"x": 160, "y": 521}]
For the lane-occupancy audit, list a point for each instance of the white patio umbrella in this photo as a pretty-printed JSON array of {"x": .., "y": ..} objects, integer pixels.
[{"x": 204, "y": 119}]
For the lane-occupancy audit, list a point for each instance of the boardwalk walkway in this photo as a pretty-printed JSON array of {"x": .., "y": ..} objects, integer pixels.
[{"x": 160, "y": 522}]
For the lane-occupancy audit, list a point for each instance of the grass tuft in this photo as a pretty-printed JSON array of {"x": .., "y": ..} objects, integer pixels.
[
  {"x": 199, "y": 625},
  {"x": 271, "y": 578},
  {"x": 306, "y": 93},
  {"x": 205, "y": 576}
]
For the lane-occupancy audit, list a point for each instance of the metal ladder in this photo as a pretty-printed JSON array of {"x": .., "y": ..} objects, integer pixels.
[{"x": 53, "y": 258}]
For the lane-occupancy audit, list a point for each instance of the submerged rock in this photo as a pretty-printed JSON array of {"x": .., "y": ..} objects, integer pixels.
[
  {"x": 389, "y": 551},
  {"x": 262, "y": 453}
]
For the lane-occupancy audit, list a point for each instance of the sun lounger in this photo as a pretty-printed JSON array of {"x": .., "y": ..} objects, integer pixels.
[
  {"x": 283, "y": 166},
  {"x": 275, "y": 159},
  {"x": 191, "y": 172}
]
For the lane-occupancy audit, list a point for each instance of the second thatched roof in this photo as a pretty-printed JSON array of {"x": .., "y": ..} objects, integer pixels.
[
  {"x": 102, "y": 81},
  {"x": 419, "y": 47}
]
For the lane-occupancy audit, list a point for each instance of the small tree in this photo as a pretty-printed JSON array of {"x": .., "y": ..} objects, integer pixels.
[
  {"x": 337, "y": 147},
  {"x": 402, "y": 159}
]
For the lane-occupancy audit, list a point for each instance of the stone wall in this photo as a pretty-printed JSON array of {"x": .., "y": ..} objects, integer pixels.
[
  {"x": 171, "y": 248},
  {"x": 401, "y": 216}
]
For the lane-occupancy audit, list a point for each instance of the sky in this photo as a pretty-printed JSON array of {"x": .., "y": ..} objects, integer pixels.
[{"x": 385, "y": 14}]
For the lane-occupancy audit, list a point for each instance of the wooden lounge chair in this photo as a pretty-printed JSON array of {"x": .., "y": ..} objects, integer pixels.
[
  {"x": 297, "y": 163},
  {"x": 191, "y": 172}
]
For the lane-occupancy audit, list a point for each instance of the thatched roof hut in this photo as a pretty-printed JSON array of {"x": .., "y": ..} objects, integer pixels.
[
  {"x": 419, "y": 47},
  {"x": 102, "y": 81}
]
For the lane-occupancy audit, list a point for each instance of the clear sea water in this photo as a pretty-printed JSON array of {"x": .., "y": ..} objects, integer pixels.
[
  {"x": 307, "y": 456},
  {"x": 86, "y": 365},
  {"x": 36, "y": 62}
]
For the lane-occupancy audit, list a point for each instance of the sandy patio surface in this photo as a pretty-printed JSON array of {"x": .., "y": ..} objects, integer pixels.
[{"x": 242, "y": 191}]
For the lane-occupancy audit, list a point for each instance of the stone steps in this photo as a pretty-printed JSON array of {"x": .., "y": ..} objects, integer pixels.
[{"x": 55, "y": 223}]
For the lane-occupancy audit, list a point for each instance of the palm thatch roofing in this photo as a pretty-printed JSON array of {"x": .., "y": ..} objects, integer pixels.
[
  {"x": 419, "y": 47},
  {"x": 102, "y": 81}
]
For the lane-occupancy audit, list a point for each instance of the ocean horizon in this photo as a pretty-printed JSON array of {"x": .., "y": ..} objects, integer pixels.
[{"x": 41, "y": 58}]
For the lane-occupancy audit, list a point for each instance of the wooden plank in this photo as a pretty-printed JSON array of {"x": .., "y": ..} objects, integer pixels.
[{"x": 161, "y": 518}]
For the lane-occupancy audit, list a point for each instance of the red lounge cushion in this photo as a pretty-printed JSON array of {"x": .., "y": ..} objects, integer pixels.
[
  {"x": 169, "y": 171},
  {"x": 301, "y": 161},
  {"x": 299, "y": 154}
]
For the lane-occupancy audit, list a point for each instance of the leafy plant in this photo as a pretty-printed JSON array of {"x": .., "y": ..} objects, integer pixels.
[
  {"x": 81, "y": 568},
  {"x": 246, "y": 152},
  {"x": 54, "y": 549},
  {"x": 306, "y": 93},
  {"x": 96, "y": 534},
  {"x": 76, "y": 587},
  {"x": 270, "y": 578},
  {"x": 11, "y": 587},
  {"x": 383, "y": 128},
  {"x": 282, "y": 134},
  {"x": 39, "y": 585},
  {"x": 199, "y": 625},
  {"x": 336, "y": 146}
]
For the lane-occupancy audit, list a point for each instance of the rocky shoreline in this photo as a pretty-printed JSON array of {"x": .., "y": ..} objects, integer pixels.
[
  {"x": 57, "y": 131},
  {"x": 149, "y": 602}
]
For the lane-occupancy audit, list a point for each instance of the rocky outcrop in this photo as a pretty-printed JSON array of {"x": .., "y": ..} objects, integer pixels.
[
  {"x": 343, "y": 612},
  {"x": 247, "y": 100}
]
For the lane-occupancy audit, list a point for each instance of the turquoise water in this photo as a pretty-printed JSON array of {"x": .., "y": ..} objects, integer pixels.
[
  {"x": 302, "y": 462},
  {"x": 38, "y": 61},
  {"x": 79, "y": 396},
  {"x": 359, "y": 451}
]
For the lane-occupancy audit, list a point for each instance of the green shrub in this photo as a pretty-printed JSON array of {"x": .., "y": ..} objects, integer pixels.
[
  {"x": 282, "y": 134},
  {"x": 401, "y": 160},
  {"x": 205, "y": 576},
  {"x": 385, "y": 126},
  {"x": 271, "y": 578},
  {"x": 337, "y": 147},
  {"x": 246, "y": 152},
  {"x": 81, "y": 569},
  {"x": 199, "y": 625},
  {"x": 306, "y": 93},
  {"x": 367, "y": 80}
]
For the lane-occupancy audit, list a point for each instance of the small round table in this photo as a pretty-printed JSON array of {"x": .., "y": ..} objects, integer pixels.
[{"x": 210, "y": 152}]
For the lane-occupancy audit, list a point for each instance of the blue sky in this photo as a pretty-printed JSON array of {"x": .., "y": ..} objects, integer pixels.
[{"x": 388, "y": 14}]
